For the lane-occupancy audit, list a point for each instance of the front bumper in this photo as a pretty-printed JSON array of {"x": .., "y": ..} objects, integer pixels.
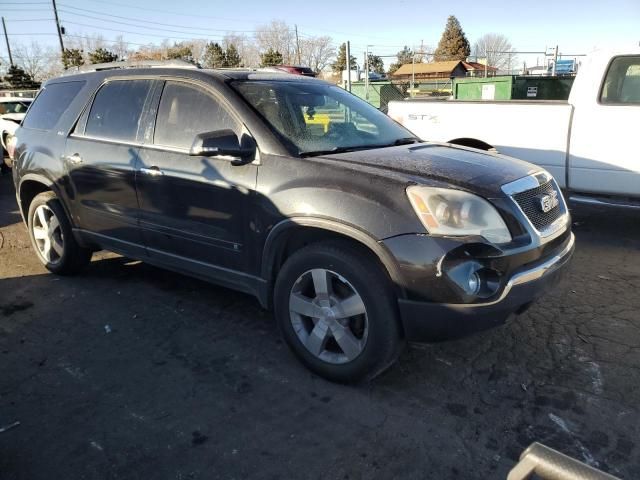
[{"x": 427, "y": 321}]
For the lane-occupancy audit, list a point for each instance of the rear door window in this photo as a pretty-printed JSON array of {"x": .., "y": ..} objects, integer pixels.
[
  {"x": 185, "y": 111},
  {"x": 116, "y": 110},
  {"x": 622, "y": 83},
  {"x": 50, "y": 105}
]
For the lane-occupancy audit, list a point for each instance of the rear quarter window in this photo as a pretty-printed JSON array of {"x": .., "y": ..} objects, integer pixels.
[
  {"x": 50, "y": 105},
  {"x": 622, "y": 83}
]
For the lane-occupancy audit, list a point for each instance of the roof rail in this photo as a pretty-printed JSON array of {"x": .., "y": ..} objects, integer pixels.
[{"x": 175, "y": 63}]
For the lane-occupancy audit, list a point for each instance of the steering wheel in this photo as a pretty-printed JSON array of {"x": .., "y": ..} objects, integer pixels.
[{"x": 340, "y": 131}]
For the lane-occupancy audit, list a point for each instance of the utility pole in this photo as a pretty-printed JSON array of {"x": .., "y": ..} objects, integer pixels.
[
  {"x": 366, "y": 74},
  {"x": 297, "y": 43},
  {"x": 413, "y": 71},
  {"x": 348, "y": 66},
  {"x": 6, "y": 37},
  {"x": 55, "y": 14}
]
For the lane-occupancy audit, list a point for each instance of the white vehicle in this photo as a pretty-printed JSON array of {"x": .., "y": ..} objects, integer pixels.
[
  {"x": 12, "y": 111},
  {"x": 588, "y": 144}
]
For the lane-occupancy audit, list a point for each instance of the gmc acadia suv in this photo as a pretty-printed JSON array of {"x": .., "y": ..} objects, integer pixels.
[{"x": 359, "y": 235}]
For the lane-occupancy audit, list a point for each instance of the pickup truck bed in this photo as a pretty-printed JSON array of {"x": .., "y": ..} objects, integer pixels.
[{"x": 524, "y": 128}]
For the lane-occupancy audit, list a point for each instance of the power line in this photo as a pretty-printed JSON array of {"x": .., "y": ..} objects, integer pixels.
[
  {"x": 21, "y": 10},
  {"x": 186, "y": 32},
  {"x": 31, "y": 19},
  {"x": 159, "y": 29},
  {"x": 138, "y": 20},
  {"x": 144, "y": 34},
  {"x": 308, "y": 27},
  {"x": 38, "y": 33},
  {"x": 111, "y": 41},
  {"x": 170, "y": 12}
]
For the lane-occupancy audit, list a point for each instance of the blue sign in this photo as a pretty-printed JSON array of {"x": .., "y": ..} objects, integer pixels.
[{"x": 563, "y": 67}]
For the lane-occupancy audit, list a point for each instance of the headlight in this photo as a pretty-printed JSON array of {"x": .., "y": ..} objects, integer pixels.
[{"x": 444, "y": 211}]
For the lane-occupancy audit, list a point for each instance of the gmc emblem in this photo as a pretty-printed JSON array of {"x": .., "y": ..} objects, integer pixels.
[{"x": 548, "y": 202}]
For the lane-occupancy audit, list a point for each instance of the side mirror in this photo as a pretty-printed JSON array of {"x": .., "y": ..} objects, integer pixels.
[{"x": 224, "y": 143}]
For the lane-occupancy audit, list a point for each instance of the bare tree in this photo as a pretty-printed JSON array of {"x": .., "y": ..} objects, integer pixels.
[
  {"x": 496, "y": 49},
  {"x": 277, "y": 36},
  {"x": 317, "y": 52},
  {"x": 198, "y": 47},
  {"x": 149, "y": 52},
  {"x": 31, "y": 58},
  {"x": 41, "y": 63},
  {"x": 247, "y": 48},
  {"x": 120, "y": 48}
]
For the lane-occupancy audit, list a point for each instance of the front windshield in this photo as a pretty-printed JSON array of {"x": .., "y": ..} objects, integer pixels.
[
  {"x": 14, "y": 107},
  {"x": 315, "y": 118}
]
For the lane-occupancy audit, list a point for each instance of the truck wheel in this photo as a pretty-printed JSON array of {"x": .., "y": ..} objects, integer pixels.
[
  {"x": 51, "y": 236},
  {"x": 337, "y": 312}
]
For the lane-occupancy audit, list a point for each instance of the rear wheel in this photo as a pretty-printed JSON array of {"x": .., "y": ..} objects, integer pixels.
[
  {"x": 337, "y": 312},
  {"x": 52, "y": 238}
]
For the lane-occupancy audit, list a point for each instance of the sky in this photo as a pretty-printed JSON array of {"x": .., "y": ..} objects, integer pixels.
[{"x": 575, "y": 26}]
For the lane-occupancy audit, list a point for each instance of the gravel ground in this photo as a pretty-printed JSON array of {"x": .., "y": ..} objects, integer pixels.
[{"x": 129, "y": 371}]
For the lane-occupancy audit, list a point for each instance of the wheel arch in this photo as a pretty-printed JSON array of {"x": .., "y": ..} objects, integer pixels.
[
  {"x": 31, "y": 185},
  {"x": 292, "y": 234}
]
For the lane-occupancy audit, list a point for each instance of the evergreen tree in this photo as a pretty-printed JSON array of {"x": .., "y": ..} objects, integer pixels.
[
  {"x": 376, "y": 64},
  {"x": 453, "y": 44},
  {"x": 233, "y": 57},
  {"x": 341, "y": 60},
  {"x": 270, "y": 58},
  {"x": 102, "y": 55},
  {"x": 214, "y": 56},
  {"x": 404, "y": 56},
  {"x": 18, "y": 78},
  {"x": 72, "y": 58}
]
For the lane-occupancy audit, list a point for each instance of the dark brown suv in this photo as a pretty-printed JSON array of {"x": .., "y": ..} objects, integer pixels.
[{"x": 359, "y": 235}]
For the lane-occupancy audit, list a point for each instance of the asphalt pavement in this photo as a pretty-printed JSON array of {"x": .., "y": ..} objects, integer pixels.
[{"x": 131, "y": 372}]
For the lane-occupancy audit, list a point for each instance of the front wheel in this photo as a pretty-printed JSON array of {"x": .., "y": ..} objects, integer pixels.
[
  {"x": 337, "y": 312},
  {"x": 6, "y": 162},
  {"x": 52, "y": 238}
]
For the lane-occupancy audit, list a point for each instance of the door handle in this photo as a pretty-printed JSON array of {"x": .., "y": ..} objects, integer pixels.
[
  {"x": 75, "y": 158},
  {"x": 152, "y": 171}
]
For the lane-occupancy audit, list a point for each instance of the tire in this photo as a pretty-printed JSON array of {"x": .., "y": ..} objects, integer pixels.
[
  {"x": 5, "y": 162},
  {"x": 318, "y": 326},
  {"x": 52, "y": 238}
]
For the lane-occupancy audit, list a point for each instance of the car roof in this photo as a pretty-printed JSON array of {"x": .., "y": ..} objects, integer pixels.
[{"x": 223, "y": 74}]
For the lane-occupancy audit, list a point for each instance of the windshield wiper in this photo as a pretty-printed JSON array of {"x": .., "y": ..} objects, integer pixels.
[
  {"x": 400, "y": 141},
  {"x": 315, "y": 153}
]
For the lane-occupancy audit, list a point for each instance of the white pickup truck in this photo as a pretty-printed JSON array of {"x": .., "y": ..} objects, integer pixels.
[{"x": 589, "y": 144}]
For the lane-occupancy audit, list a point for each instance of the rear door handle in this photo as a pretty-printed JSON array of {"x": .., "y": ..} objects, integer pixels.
[
  {"x": 153, "y": 171},
  {"x": 75, "y": 158}
]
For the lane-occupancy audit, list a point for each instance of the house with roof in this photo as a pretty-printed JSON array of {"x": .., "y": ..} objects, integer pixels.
[{"x": 440, "y": 70}]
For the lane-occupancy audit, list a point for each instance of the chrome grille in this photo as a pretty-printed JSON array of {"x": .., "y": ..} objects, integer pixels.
[{"x": 528, "y": 203}]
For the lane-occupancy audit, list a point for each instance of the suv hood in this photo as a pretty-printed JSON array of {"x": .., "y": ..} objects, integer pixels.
[{"x": 471, "y": 169}]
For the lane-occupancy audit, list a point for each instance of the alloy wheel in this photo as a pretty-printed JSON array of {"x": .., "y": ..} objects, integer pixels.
[
  {"x": 47, "y": 234},
  {"x": 329, "y": 316}
]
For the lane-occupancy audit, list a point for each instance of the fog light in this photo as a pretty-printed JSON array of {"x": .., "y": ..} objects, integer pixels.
[{"x": 474, "y": 283}]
